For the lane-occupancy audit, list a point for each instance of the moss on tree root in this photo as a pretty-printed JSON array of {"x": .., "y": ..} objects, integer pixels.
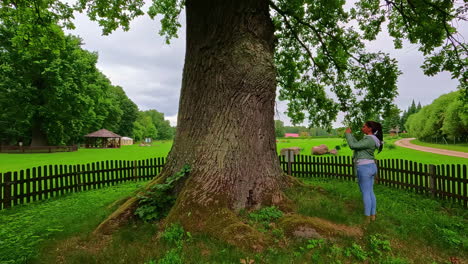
[
  {"x": 216, "y": 219},
  {"x": 124, "y": 213}
]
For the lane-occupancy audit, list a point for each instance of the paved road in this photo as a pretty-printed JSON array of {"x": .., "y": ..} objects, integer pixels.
[{"x": 407, "y": 144}]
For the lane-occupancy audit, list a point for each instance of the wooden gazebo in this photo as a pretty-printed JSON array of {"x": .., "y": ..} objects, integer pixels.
[{"x": 102, "y": 139}]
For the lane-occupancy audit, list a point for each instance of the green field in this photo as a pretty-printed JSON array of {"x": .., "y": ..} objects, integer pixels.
[
  {"x": 457, "y": 147},
  {"x": 12, "y": 162}
]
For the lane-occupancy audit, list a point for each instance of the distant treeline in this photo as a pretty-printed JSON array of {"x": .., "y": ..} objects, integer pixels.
[
  {"x": 281, "y": 130},
  {"x": 51, "y": 92},
  {"x": 446, "y": 116}
]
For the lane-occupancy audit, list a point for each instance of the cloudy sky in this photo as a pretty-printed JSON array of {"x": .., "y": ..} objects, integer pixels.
[{"x": 150, "y": 71}]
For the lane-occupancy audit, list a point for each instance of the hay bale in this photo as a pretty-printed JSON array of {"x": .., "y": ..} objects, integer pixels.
[{"x": 320, "y": 150}]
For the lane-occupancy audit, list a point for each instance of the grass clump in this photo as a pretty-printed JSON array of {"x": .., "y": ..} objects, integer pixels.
[
  {"x": 155, "y": 203},
  {"x": 176, "y": 237}
]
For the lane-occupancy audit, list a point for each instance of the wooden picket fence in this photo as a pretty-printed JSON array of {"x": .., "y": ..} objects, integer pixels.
[
  {"x": 45, "y": 182},
  {"x": 447, "y": 182}
]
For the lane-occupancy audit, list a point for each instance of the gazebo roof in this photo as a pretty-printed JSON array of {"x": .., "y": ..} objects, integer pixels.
[{"x": 103, "y": 133}]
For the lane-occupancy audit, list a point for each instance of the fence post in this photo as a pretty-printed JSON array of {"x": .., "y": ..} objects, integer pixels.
[
  {"x": 289, "y": 162},
  {"x": 377, "y": 174},
  {"x": 432, "y": 175},
  {"x": 7, "y": 191},
  {"x": 135, "y": 175},
  {"x": 77, "y": 178}
]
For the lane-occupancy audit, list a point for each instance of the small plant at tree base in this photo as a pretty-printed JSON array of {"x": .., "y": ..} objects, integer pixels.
[
  {"x": 356, "y": 251},
  {"x": 156, "y": 202},
  {"x": 337, "y": 147},
  {"x": 266, "y": 215},
  {"x": 313, "y": 243},
  {"x": 278, "y": 233},
  {"x": 175, "y": 234},
  {"x": 173, "y": 256}
]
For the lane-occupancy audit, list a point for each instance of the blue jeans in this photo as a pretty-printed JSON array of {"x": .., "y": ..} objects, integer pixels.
[{"x": 366, "y": 174}]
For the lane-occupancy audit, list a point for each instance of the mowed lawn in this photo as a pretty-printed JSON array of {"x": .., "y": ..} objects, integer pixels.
[
  {"x": 390, "y": 151},
  {"x": 13, "y": 162}
]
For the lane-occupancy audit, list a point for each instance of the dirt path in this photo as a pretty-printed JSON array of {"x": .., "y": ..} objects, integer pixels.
[{"x": 407, "y": 144}]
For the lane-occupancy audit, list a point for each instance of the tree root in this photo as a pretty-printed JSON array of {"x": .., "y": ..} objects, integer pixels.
[
  {"x": 299, "y": 226},
  {"x": 124, "y": 213}
]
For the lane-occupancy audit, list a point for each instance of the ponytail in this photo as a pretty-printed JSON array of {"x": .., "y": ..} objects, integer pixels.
[{"x": 377, "y": 131}]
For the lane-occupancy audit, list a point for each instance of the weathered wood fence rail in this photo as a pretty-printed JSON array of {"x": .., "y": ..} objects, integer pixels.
[
  {"x": 447, "y": 182},
  {"x": 37, "y": 149},
  {"x": 45, "y": 182}
]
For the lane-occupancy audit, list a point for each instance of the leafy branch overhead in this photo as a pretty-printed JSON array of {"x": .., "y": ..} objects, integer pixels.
[
  {"x": 321, "y": 46},
  {"x": 319, "y": 49}
]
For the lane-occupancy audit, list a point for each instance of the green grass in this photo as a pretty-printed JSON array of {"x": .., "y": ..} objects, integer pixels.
[
  {"x": 24, "y": 229},
  {"x": 456, "y": 147},
  {"x": 443, "y": 226},
  {"x": 13, "y": 162},
  {"x": 409, "y": 229}
]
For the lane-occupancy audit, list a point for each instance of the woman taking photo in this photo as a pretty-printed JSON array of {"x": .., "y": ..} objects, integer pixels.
[{"x": 364, "y": 161}]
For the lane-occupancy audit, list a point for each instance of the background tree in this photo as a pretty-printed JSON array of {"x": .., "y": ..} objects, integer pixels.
[
  {"x": 144, "y": 127},
  {"x": 279, "y": 128},
  {"x": 391, "y": 119},
  {"x": 129, "y": 112},
  {"x": 50, "y": 88},
  {"x": 163, "y": 126},
  {"x": 151, "y": 124},
  {"x": 447, "y": 116}
]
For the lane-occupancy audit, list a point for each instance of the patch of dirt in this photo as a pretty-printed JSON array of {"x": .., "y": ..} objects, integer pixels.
[{"x": 304, "y": 226}]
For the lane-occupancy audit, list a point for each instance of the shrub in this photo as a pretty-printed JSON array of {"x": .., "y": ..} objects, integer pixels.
[
  {"x": 389, "y": 146},
  {"x": 156, "y": 202}
]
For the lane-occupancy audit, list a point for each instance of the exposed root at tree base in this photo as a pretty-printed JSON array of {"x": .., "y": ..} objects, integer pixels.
[
  {"x": 217, "y": 220},
  {"x": 295, "y": 225},
  {"x": 123, "y": 214}
]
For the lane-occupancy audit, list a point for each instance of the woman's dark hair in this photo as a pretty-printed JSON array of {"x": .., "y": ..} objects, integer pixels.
[{"x": 377, "y": 131}]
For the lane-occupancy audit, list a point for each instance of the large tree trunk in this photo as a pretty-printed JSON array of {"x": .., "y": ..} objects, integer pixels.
[
  {"x": 225, "y": 126},
  {"x": 226, "y": 112}
]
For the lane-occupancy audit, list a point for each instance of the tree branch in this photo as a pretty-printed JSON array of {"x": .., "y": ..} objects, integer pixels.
[{"x": 316, "y": 32}]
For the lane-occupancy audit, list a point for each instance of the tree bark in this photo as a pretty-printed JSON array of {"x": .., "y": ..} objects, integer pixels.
[{"x": 226, "y": 111}]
